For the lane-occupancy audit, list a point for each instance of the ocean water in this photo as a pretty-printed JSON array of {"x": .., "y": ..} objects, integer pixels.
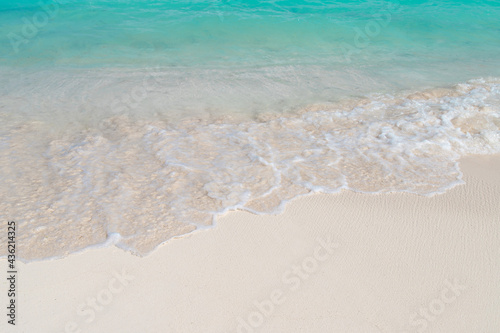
[{"x": 132, "y": 122}]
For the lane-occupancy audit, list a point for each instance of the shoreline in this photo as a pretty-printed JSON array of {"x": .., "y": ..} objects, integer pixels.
[
  {"x": 151, "y": 181},
  {"x": 113, "y": 239},
  {"x": 401, "y": 262}
]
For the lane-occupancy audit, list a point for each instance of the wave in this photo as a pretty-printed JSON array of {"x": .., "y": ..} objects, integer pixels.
[{"x": 141, "y": 182}]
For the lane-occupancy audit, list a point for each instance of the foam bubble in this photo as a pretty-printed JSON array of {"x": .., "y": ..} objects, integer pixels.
[{"x": 146, "y": 181}]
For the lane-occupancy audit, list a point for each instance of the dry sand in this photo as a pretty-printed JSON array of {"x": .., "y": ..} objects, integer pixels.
[{"x": 403, "y": 263}]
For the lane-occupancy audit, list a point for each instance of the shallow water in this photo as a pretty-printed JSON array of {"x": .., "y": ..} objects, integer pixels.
[{"x": 247, "y": 57}]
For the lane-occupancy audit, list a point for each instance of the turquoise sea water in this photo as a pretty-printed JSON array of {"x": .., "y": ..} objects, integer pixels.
[
  {"x": 382, "y": 45},
  {"x": 405, "y": 34},
  {"x": 147, "y": 119}
]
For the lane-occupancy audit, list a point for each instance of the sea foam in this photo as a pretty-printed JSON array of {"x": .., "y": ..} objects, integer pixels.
[{"x": 140, "y": 182}]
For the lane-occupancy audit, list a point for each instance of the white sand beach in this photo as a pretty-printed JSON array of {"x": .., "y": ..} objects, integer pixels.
[{"x": 343, "y": 262}]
